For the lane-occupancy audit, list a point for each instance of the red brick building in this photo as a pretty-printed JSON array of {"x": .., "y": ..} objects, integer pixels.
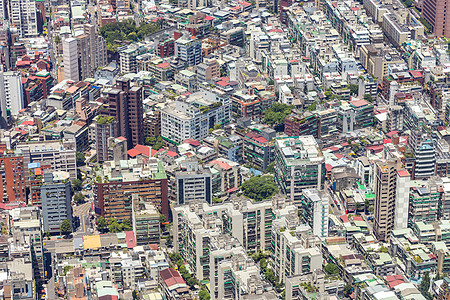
[
  {"x": 114, "y": 198},
  {"x": 12, "y": 182}
]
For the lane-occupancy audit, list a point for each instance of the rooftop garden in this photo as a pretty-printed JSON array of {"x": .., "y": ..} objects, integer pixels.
[{"x": 104, "y": 120}]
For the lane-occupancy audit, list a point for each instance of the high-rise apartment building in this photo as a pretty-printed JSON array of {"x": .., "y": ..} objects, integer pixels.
[
  {"x": 12, "y": 178},
  {"x": 11, "y": 96},
  {"x": 23, "y": 15},
  {"x": 135, "y": 116},
  {"x": 391, "y": 198},
  {"x": 145, "y": 220},
  {"x": 425, "y": 159},
  {"x": 97, "y": 47},
  {"x": 435, "y": 12},
  {"x": 299, "y": 165},
  {"x": 70, "y": 57},
  {"x": 288, "y": 255},
  {"x": 56, "y": 200},
  {"x": 104, "y": 129},
  {"x": 124, "y": 103},
  {"x": 116, "y": 183},
  {"x": 189, "y": 50},
  {"x": 193, "y": 184},
  {"x": 58, "y": 156},
  {"x": 193, "y": 117},
  {"x": 83, "y": 54},
  {"x": 425, "y": 199},
  {"x": 26, "y": 230},
  {"x": 314, "y": 211}
]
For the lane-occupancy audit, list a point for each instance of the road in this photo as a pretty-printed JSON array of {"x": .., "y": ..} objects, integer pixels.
[{"x": 83, "y": 212}]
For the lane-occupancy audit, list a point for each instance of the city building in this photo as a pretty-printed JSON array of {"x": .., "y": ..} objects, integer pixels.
[
  {"x": 11, "y": 84},
  {"x": 193, "y": 117},
  {"x": 124, "y": 103},
  {"x": 70, "y": 57},
  {"x": 145, "y": 220},
  {"x": 288, "y": 255},
  {"x": 83, "y": 54},
  {"x": 193, "y": 184},
  {"x": 314, "y": 211},
  {"x": 391, "y": 198},
  {"x": 104, "y": 129},
  {"x": 59, "y": 156},
  {"x": 435, "y": 13},
  {"x": 27, "y": 230},
  {"x": 208, "y": 70},
  {"x": 56, "y": 201},
  {"x": 189, "y": 50},
  {"x": 115, "y": 183},
  {"x": 299, "y": 165},
  {"x": 23, "y": 15},
  {"x": 12, "y": 176}
]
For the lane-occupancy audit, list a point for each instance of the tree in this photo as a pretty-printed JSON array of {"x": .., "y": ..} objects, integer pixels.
[
  {"x": 347, "y": 290},
  {"x": 424, "y": 286},
  {"x": 368, "y": 98},
  {"x": 65, "y": 227},
  {"x": 438, "y": 277},
  {"x": 270, "y": 168},
  {"x": 76, "y": 185},
  {"x": 260, "y": 188},
  {"x": 331, "y": 269},
  {"x": 425, "y": 24},
  {"x": 113, "y": 226},
  {"x": 78, "y": 198},
  {"x": 312, "y": 107},
  {"x": 217, "y": 126},
  {"x": 277, "y": 113},
  {"x": 57, "y": 39},
  {"x": 101, "y": 224},
  {"x": 203, "y": 294},
  {"x": 81, "y": 158},
  {"x": 126, "y": 225},
  {"x": 162, "y": 218},
  {"x": 384, "y": 249},
  {"x": 155, "y": 142},
  {"x": 135, "y": 295},
  {"x": 353, "y": 89}
]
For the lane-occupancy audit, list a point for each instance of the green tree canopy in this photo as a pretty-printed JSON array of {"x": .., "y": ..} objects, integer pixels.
[
  {"x": 80, "y": 159},
  {"x": 204, "y": 294},
  {"x": 76, "y": 185},
  {"x": 113, "y": 225},
  {"x": 277, "y": 113},
  {"x": 347, "y": 290},
  {"x": 270, "y": 168},
  {"x": 126, "y": 31},
  {"x": 155, "y": 142},
  {"x": 79, "y": 198},
  {"x": 368, "y": 98},
  {"x": 101, "y": 224},
  {"x": 353, "y": 89},
  {"x": 312, "y": 107},
  {"x": 424, "y": 286},
  {"x": 260, "y": 188},
  {"x": 65, "y": 227},
  {"x": 126, "y": 225},
  {"x": 331, "y": 269}
]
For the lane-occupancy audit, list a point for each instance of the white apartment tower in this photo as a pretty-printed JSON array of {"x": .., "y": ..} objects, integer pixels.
[
  {"x": 83, "y": 54},
  {"x": 23, "y": 16},
  {"x": 70, "y": 56}
]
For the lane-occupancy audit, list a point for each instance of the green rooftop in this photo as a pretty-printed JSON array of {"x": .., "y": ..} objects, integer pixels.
[{"x": 104, "y": 120}]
